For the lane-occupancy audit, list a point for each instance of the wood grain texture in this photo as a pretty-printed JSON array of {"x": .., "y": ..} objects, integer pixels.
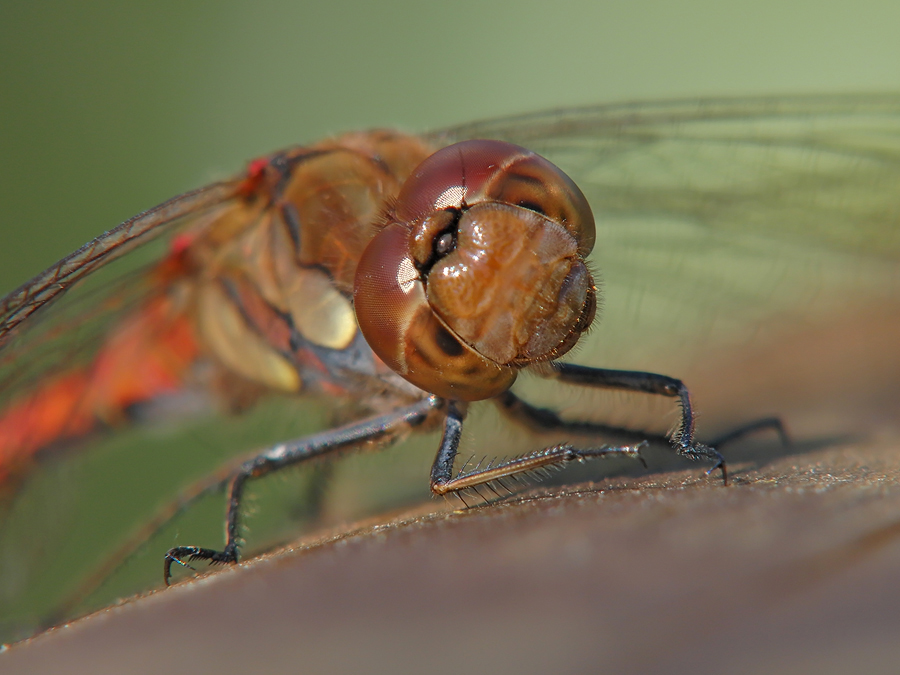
[{"x": 793, "y": 568}]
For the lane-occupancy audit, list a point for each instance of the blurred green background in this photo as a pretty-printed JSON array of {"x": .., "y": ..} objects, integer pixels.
[{"x": 107, "y": 108}]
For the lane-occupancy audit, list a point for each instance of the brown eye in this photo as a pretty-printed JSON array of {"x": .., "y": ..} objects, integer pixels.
[
  {"x": 533, "y": 183},
  {"x": 398, "y": 323},
  {"x": 480, "y": 270}
]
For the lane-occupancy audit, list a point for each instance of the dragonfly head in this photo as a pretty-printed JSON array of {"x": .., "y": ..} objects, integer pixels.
[{"x": 478, "y": 271}]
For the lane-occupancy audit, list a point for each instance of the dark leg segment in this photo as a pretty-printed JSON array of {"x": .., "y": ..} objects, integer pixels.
[
  {"x": 547, "y": 419},
  {"x": 648, "y": 383},
  {"x": 443, "y": 481},
  {"x": 289, "y": 454}
]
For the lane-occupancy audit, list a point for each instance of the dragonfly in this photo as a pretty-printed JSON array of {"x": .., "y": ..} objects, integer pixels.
[{"x": 737, "y": 257}]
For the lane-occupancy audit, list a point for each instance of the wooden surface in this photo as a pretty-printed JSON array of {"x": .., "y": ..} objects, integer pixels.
[{"x": 795, "y": 568}]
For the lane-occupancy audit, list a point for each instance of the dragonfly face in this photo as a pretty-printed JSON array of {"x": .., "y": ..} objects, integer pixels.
[
  {"x": 376, "y": 269},
  {"x": 479, "y": 270}
]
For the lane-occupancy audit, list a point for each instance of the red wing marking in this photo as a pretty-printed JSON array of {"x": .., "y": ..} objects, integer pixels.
[{"x": 146, "y": 357}]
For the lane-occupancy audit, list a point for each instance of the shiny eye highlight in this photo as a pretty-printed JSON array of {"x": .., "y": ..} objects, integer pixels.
[
  {"x": 498, "y": 236},
  {"x": 444, "y": 244}
]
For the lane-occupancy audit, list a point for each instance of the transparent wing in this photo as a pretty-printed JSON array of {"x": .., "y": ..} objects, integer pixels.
[
  {"x": 59, "y": 317},
  {"x": 748, "y": 246},
  {"x": 52, "y": 283}
]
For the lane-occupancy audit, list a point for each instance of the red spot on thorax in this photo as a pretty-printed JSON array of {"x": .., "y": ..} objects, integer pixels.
[
  {"x": 181, "y": 243},
  {"x": 178, "y": 261},
  {"x": 256, "y": 171},
  {"x": 257, "y": 166}
]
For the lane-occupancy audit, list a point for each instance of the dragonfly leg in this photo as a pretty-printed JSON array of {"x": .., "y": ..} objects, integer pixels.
[
  {"x": 289, "y": 454},
  {"x": 650, "y": 383},
  {"x": 444, "y": 482},
  {"x": 547, "y": 419}
]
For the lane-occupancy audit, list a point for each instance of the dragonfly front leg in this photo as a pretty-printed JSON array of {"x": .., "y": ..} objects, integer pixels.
[
  {"x": 443, "y": 481},
  {"x": 289, "y": 454}
]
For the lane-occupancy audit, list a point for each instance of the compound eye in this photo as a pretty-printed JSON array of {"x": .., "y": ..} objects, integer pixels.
[
  {"x": 398, "y": 323},
  {"x": 467, "y": 173},
  {"x": 533, "y": 183}
]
